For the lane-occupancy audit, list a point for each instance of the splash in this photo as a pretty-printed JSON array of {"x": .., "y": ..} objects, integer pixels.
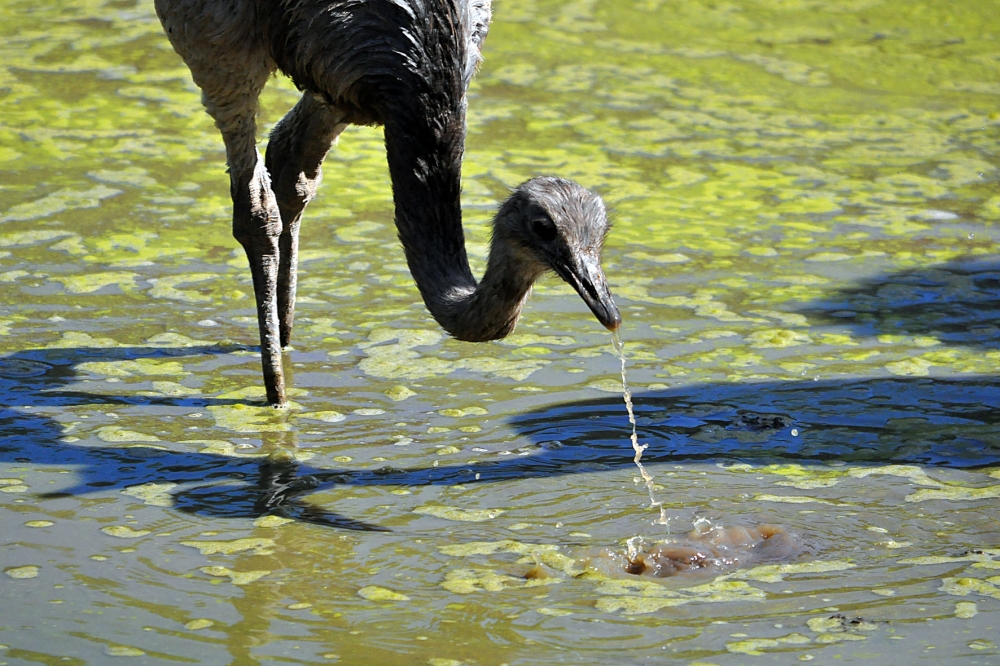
[
  {"x": 638, "y": 448},
  {"x": 718, "y": 550}
]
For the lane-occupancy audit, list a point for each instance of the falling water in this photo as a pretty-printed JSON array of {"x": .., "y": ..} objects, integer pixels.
[{"x": 638, "y": 448}]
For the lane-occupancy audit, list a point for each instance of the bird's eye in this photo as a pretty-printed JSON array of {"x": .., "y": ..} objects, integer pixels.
[{"x": 544, "y": 229}]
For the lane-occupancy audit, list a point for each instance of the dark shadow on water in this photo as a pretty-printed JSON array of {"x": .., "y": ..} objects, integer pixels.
[
  {"x": 888, "y": 420},
  {"x": 40, "y": 377},
  {"x": 917, "y": 421},
  {"x": 927, "y": 422},
  {"x": 957, "y": 302}
]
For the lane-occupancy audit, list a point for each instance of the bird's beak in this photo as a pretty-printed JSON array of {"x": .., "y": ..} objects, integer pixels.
[{"x": 587, "y": 277}]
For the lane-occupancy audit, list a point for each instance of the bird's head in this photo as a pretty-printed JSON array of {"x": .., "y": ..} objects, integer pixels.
[{"x": 555, "y": 224}]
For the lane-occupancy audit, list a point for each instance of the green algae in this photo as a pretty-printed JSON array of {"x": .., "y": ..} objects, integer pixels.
[
  {"x": 458, "y": 514},
  {"x": 248, "y": 418},
  {"x": 915, "y": 367},
  {"x": 542, "y": 551},
  {"x": 401, "y": 360},
  {"x": 979, "y": 555},
  {"x": 23, "y": 572},
  {"x": 118, "y": 434},
  {"x": 90, "y": 282},
  {"x": 140, "y": 367},
  {"x": 755, "y": 646},
  {"x": 964, "y": 586},
  {"x": 221, "y": 447},
  {"x": 173, "y": 389},
  {"x": 399, "y": 393},
  {"x": 31, "y": 237},
  {"x": 533, "y": 340},
  {"x": 515, "y": 370},
  {"x": 911, "y": 472},
  {"x": 168, "y": 287},
  {"x": 58, "y": 202},
  {"x": 800, "y": 476},
  {"x": 271, "y": 521},
  {"x": 133, "y": 176},
  {"x": 759, "y": 159},
  {"x": 459, "y": 412},
  {"x": 236, "y": 577},
  {"x": 775, "y": 573},
  {"x": 325, "y": 416},
  {"x": 12, "y": 276},
  {"x": 827, "y": 638},
  {"x": 606, "y": 386},
  {"x": 791, "y": 499},
  {"x": 153, "y": 494},
  {"x": 256, "y": 545},
  {"x": 472, "y": 581},
  {"x": 632, "y": 598},
  {"x": 776, "y": 338},
  {"x": 939, "y": 490},
  {"x": 376, "y": 593},
  {"x": 198, "y": 624},
  {"x": 836, "y": 624},
  {"x": 966, "y": 610},
  {"x": 958, "y": 493},
  {"x": 124, "y": 532}
]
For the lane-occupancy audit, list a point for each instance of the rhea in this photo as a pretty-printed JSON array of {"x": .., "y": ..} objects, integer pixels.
[{"x": 405, "y": 65}]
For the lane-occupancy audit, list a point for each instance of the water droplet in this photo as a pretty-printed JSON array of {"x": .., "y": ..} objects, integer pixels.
[
  {"x": 619, "y": 346},
  {"x": 702, "y": 525},
  {"x": 971, "y": 236},
  {"x": 795, "y": 432}
]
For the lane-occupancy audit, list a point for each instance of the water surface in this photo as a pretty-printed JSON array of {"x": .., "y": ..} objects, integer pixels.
[{"x": 805, "y": 199}]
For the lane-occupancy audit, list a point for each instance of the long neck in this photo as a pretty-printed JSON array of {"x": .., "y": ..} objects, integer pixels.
[{"x": 425, "y": 164}]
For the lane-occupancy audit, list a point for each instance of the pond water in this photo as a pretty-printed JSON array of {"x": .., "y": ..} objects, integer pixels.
[{"x": 805, "y": 254}]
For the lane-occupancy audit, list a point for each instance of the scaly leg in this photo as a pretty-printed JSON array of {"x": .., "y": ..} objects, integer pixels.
[
  {"x": 295, "y": 153},
  {"x": 257, "y": 226},
  {"x": 226, "y": 53}
]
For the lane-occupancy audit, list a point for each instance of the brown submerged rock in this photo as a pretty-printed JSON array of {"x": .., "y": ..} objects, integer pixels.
[{"x": 717, "y": 549}]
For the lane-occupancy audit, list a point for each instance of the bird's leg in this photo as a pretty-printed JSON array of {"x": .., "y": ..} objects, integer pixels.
[
  {"x": 295, "y": 153},
  {"x": 257, "y": 227}
]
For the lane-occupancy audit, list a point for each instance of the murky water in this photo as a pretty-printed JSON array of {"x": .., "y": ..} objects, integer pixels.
[{"x": 805, "y": 254}]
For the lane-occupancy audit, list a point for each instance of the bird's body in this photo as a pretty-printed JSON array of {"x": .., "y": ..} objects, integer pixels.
[{"x": 403, "y": 64}]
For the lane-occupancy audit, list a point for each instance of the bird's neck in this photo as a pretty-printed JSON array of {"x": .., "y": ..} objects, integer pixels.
[{"x": 425, "y": 164}]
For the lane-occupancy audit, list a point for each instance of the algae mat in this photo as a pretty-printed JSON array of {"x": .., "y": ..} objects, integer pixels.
[{"x": 805, "y": 198}]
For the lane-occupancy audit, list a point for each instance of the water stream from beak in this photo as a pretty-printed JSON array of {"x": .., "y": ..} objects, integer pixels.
[{"x": 638, "y": 448}]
